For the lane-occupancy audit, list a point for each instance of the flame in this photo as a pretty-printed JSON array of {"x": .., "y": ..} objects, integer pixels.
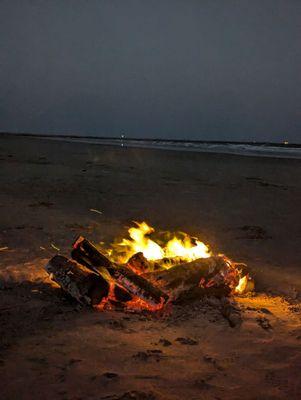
[
  {"x": 177, "y": 247},
  {"x": 188, "y": 249},
  {"x": 242, "y": 285}
]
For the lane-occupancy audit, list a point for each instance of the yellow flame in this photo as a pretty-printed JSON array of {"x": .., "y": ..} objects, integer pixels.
[
  {"x": 242, "y": 284},
  {"x": 187, "y": 249}
]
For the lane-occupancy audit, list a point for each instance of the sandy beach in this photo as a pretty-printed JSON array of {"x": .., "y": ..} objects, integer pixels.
[{"x": 245, "y": 207}]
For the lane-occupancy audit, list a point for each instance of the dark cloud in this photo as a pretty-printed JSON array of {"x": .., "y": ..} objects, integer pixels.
[{"x": 227, "y": 70}]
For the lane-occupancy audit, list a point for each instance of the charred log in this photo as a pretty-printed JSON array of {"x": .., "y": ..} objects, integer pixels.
[
  {"x": 205, "y": 276},
  {"x": 78, "y": 281},
  {"x": 89, "y": 254},
  {"x": 138, "y": 286},
  {"x": 121, "y": 295},
  {"x": 85, "y": 252},
  {"x": 141, "y": 265}
]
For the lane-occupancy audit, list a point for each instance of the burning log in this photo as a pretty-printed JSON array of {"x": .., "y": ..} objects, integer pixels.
[
  {"x": 78, "y": 281},
  {"x": 140, "y": 264},
  {"x": 184, "y": 269},
  {"x": 205, "y": 276},
  {"x": 87, "y": 254},
  {"x": 83, "y": 284}
]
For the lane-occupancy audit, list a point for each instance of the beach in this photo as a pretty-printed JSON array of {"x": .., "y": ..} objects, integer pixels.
[{"x": 245, "y": 207}]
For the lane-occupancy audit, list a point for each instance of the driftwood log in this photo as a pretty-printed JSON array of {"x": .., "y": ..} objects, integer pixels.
[
  {"x": 83, "y": 284},
  {"x": 188, "y": 281},
  {"x": 93, "y": 277},
  {"x": 78, "y": 281},
  {"x": 140, "y": 265},
  {"x": 86, "y": 253}
]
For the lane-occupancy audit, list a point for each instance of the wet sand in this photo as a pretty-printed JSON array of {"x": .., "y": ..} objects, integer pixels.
[{"x": 245, "y": 207}]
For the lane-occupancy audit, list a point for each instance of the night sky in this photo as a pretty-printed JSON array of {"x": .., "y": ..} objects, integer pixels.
[{"x": 176, "y": 69}]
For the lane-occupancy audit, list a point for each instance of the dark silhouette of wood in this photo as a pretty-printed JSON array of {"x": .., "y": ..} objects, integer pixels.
[
  {"x": 86, "y": 253},
  {"x": 78, "y": 281},
  {"x": 188, "y": 281}
]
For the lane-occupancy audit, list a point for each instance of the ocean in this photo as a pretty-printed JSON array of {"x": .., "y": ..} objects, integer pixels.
[{"x": 282, "y": 150}]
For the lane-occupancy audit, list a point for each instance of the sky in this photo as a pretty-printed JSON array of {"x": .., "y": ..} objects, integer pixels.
[{"x": 171, "y": 69}]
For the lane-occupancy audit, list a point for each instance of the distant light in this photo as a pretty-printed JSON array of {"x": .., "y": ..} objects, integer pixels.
[
  {"x": 285, "y": 142},
  {"x": 122, "y": 137}
]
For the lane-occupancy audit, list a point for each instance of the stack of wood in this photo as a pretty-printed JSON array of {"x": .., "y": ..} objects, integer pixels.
[{"x": 91, "y": 278}]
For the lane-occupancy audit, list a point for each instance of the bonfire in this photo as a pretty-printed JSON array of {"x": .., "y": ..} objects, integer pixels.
[{"x": 146, "y": 273}]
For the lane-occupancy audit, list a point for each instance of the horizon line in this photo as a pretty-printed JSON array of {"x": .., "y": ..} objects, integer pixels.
[{"x": 75, "y": 136}]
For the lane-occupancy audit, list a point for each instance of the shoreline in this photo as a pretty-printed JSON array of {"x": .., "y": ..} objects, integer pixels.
[{"x": 271, "y": 150}]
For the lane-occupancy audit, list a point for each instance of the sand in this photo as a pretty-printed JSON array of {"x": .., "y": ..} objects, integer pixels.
[{"x": 245, "y": 207}]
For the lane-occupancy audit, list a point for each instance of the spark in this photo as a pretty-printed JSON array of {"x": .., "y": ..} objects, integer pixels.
[{"x": 96, "y": 211}]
